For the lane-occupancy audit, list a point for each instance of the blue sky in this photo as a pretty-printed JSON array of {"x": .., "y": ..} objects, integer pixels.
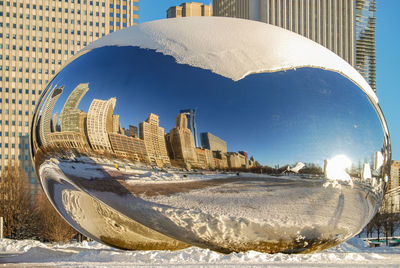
[
  {"x": 388, "y": 71},
  {"x": 388, "y": 56}
]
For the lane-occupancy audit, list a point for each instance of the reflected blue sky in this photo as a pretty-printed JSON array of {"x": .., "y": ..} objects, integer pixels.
[{"x": 303, "y": 115}]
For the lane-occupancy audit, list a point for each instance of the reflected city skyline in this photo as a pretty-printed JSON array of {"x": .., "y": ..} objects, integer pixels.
[
  {"x": 99, "y": 130},
  {"x": 152, "y": 146}
]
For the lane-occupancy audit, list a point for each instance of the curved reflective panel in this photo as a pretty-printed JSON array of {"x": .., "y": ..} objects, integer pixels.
[{"x": 140, "y": 152}]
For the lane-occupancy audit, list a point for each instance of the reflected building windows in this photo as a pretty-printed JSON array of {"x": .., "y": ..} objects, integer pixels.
[
  {"x": 46, "y": 115},
  {"x": 100, "y": 123},
  {"x": 181, "y": 143},
  {"x": 130, "y": 147},
  {"x": 191, "y": 123},
  {"x": 212, "y": 142},
  {"x": 70, "y": 113},
  {"x": 154, "y": 140}
]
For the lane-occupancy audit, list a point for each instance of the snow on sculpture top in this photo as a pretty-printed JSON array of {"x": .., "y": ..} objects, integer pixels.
[{"x": 233, "y": 48}]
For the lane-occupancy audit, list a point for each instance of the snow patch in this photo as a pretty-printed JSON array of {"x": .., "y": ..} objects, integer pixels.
[{"x": 93, "y": 254}]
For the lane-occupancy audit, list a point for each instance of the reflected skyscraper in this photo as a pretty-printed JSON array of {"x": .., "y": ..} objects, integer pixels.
[
  {"x": 181, "y": 140},
  {"x": 153, "y": 137},
  {"x": 46, "y": 116},
  {"x": 69, "y": 115},
  {"x": 191, "y": 123},
  {"x": 116, "y": 124},
  {"x": 100, "y": 123},
  {"x": 54, "y": 123},
  {"x": 212, "y": 142}
]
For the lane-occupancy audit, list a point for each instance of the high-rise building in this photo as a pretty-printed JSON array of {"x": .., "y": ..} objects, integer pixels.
[
  {"x": 36, "y": 38},
  {"x": 212, "y": 142},
  {"x": 69, "y": 115},
  {"x": 191, "y": 123},
  {"x": 189, "y": 10},
  {"x": 116, "y": 124},
  {"x": 133, "y": 131},
  {"x": 100, "y": 123},
  {"x": 129, "y": 147},
  {"x": 391, "y": 199},
  {"x": 154, "y": 140},
  {"x": 365, "y": 40},
  {"x": 347, "y": 27},
  {"x": 54, "y": 123},
  {"x": 182, "y": 145},
  {"x": 46, "y": 115},
  {"x": 394, "y": 181}
]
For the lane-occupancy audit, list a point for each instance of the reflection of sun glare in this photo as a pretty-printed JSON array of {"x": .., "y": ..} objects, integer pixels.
[{"x": 336, "y": 168}]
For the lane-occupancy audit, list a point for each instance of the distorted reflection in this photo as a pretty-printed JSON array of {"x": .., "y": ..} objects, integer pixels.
[
  {"x": 379, "y": 160},
  {"x": 296, "y": 168},
  {"x": 194, "y": 158},
  {"x": 366, "y": 172}
]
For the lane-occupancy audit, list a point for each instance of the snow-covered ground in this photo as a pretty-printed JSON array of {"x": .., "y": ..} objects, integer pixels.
[{"x": 30, "y": 253}]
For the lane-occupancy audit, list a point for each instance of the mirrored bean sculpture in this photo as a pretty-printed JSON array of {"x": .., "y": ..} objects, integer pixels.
[{"x": 220, "y": 133}]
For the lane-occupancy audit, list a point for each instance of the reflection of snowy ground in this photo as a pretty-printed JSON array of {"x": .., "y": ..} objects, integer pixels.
[
  {"x": 93, "y": 168},
  {"x": 239, "y": 212},
  {"x": 92, "y": 254}
]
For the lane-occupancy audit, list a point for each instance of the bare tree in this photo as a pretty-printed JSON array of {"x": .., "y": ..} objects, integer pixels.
[
  {"x": 52, "y": 226},
  {"x": 15, "y": 203},
  {"x": 387, "y": 220}
]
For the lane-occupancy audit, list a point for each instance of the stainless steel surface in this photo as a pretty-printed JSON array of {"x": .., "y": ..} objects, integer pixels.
[{"x": 295, "y": 160}]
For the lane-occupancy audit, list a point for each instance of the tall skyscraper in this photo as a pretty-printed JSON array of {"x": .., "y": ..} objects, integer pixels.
[
  {"x": 69, "y": 115},
  {"x": 394, "y": 181},
  {"x": 116, "y": 124},
  {"x": 391, "y": 200},
  {"x": 46, "y": 115},
  {"x": 189, "y": 10},
  {"x": 36, "y": 38},
  {"x": 347, "y": 27},
  {"x": 154, "y": 140},
  {"x": 182, "y": 144},
  {"x": 100, "y": 123},
  {"x": 54, "y": 122},
  {"x": 365, "y": 40},
  {"x": 191, "y": 123}
]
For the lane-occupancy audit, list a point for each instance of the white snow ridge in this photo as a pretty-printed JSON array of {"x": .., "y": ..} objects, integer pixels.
[{"x": 28, "y": 253}]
